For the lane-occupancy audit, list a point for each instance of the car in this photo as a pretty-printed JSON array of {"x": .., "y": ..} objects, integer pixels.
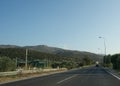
[{"x": 97, "y": 65}]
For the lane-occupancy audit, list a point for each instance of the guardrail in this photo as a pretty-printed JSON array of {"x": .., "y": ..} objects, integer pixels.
[
  {"x": 8, "y": 73},
  {"x": 21, "y": 71}
]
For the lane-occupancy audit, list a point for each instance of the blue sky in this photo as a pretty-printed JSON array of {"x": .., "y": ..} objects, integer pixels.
[{"x": 69, "y": 24}]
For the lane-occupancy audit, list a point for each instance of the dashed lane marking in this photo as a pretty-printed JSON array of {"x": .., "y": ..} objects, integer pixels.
[{"x": 66, "y": 79}]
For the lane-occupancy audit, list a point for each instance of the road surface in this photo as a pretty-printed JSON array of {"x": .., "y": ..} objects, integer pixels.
[{"x": 91, "y": 76}]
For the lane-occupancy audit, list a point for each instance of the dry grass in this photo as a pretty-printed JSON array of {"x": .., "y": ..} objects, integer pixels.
[{"x": 4, "y": 79}]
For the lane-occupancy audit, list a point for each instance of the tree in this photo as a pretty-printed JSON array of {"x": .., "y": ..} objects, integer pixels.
[
  {"x": 7, "y": 64},
  {"x": 87, "y": 61},
  {"x": 107, "y": 61},
  {"x": 116, "y": 61}
]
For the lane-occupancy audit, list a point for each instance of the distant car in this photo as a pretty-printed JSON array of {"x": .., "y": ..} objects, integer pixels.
[{"x": 97, "y": 65}]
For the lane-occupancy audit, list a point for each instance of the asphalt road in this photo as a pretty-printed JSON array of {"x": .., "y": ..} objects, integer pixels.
[{"x": 92, "y": 76}]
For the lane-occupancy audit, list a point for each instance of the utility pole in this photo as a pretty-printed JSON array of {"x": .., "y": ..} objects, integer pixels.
[
  {"x": 16, "y": 62},
  {"x": 26, "y": 60},
  {"x": 99, "y": 54}
]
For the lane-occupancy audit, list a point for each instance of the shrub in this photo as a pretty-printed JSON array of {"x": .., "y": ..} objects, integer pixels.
[{"x": 6, "y": 64}]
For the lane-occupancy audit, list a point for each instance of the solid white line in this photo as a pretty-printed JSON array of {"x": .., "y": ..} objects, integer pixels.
[
  {"x": 66, "y": 79},
  {"x": 114, "y": 75}
]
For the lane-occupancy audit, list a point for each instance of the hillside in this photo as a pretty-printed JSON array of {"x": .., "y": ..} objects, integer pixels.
[
  {"x": 44, "y": 48},
  {"x": 64, "y": 53},
  {"x": 57, "y": 51},
  {"x": 9, "y": 46}
]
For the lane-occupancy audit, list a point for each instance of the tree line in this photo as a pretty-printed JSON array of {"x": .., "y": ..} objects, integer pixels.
[
  {"x": 112, "y": 61},
  {"x": 8, "y": 59}
]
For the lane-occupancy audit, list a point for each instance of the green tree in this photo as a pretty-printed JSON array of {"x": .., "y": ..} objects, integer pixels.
[
  {"x": 87, "y": 61},
  {"x": 107, "y": 61},
  {"x": 118, "y": 62},
  {"x": 7, "y": 64}
]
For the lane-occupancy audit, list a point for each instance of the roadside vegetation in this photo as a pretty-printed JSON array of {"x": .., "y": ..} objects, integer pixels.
[
  {"x": 7, "y": 64},
  {"x": 4, "y": 79},
  {"x": 112, "y": 61},
  {"x": 13, "y": 58}
]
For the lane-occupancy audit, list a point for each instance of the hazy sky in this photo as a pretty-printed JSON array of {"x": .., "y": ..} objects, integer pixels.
[{"x": 69, "y": 24}]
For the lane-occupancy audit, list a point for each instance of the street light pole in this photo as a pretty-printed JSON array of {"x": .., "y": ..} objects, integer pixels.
[
  {"x": 104, "y": 45},
  {"x": 26, "y": 59},
  {"x": 104, "y": 49}
]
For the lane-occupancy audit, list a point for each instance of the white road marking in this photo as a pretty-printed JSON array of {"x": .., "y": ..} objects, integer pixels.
[
  {"x": 66, "y": 79},
  {"x": 114, "y": 75}
]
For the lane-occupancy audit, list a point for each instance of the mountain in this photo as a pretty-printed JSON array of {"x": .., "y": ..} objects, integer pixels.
[
  {"x": 9, "y": 46},
  {"x": 58, "y": 51},
  {"x": 44, "y": 48},
  {"x": 64, "y": 53}
]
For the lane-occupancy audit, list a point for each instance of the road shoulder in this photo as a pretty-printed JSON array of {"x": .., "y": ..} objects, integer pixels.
[{"x": 112, "y": 72}]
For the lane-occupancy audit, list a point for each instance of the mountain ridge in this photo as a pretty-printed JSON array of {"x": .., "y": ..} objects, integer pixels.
[{"x": 57, "y": 51}]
